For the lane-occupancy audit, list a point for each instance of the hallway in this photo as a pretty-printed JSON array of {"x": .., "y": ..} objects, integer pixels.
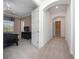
[{"x": 55, "y": 49}]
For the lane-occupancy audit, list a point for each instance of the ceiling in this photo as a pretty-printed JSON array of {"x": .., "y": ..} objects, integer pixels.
[
  {"x": 18, "y": 7},
  {"x": 22, "y": 7},
  {"x": 58, "y": 10},
  {"x": 42, "y": 0}
]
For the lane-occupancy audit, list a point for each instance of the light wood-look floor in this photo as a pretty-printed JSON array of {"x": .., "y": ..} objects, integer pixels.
[{"x": 56, "y": 48}]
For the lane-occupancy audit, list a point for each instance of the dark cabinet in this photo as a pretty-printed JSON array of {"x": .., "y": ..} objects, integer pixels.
[
  {"x": 26, "y": 35},
  {"x": 9, "y": 39}
]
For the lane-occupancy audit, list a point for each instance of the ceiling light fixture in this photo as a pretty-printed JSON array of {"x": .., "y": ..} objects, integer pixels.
[
  {"x": 8, "y": 5},
  {"x": 57, "y": 7}
]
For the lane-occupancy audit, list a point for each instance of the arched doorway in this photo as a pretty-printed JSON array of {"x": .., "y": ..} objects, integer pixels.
[{"x": 59, "y": 26}]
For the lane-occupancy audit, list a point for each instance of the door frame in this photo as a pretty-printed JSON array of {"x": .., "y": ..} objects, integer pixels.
[{"x": 58, "y": 23}]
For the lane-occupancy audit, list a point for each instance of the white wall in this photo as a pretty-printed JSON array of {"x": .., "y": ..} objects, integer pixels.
[
  {"x": 47, "y": 27},
  {"x": 35, "y": 27},
  {"x": 69, "y": 30},
  {"x": 63, "y": 27},
  {"x": 73, "y": 27},
  {"x": 67, "y": 25}
]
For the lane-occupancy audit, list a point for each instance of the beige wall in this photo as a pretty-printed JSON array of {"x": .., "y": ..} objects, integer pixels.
[
  {"x": 17, "y": 26},
  {"x": 27, "y": 21}
]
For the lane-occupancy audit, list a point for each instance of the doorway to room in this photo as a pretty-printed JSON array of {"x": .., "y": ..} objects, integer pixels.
[{"x": 59, "y": 26}]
